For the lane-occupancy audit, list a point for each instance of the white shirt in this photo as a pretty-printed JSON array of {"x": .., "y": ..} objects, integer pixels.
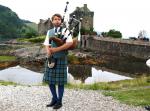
[{"x": 69, "y": 38}]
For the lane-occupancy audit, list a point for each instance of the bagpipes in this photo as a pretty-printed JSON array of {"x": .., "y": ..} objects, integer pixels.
[{"x": 59, "y": 36}]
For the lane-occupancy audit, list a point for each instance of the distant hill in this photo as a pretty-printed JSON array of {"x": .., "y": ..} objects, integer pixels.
[
  {"x": 32, "y": 25},
  {"x": 26, "y": 21},
  {"x": 11, "y": 26}
]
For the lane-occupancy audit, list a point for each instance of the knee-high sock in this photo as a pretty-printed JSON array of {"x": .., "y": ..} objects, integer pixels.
[
  {"x": 60, "y": 92},
  {"x": 53, "y": 91}
]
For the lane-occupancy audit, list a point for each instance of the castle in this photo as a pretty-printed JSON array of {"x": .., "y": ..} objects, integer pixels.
[
  {"x": 80, "y": 12},
  {"x": 44, "y": 25},
  {"x": 86, "y": 14}
]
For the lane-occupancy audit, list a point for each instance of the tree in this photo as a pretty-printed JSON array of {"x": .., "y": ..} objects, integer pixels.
[
  {"x": 115, "y": 34},
  {"x": 112, "y": 33},
  {"x": 89, "y": 32},
  {"x": 28, "y": 32},
  {"x": 104, "y": 34}
]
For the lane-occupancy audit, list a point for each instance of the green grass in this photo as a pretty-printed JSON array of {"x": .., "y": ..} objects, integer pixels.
[
  {"x": 7, "y": 58},
  {"x": 5, "y": 83},
  {"x": 113, "y": 86},
  {"x": 137, "y": 97},
  {"x": 96, "y": 86},
  {"x": 38, "y": 39}
]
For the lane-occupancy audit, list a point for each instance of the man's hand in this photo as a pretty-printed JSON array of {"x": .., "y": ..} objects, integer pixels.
[
  {"x": 60, "y": 48},
  {"x": 48, "y": 50},
  {"x": 53, "y": 50}
]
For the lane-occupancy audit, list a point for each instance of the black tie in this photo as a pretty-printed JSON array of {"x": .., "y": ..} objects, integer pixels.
[{"x": 55, "y": 31}]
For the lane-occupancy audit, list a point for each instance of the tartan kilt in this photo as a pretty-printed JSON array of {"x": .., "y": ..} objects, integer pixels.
[{"x": 58, "y": 74}]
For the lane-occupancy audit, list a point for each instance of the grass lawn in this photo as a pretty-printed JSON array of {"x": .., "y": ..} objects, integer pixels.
[
  {"x": 38, "y": 39},
  {"x": 5, "y": 83},
  {"x": 137, "y": 97},
  {"x": 7, "y": 58}
]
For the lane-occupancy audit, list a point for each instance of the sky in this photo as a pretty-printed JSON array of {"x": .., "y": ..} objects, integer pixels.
[{"x": 127, "y": 16}]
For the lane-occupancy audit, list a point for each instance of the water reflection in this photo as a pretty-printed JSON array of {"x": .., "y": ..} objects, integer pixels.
[
  {"x": 90, "y": 75},
  {"x": 76, "y": 74},
  {"x": 80, "y": 72},
  {"x": 103, "y": 76},
  {"x": 21, "y": 75}
]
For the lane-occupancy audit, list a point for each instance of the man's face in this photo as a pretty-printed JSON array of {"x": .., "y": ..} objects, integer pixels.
[{"x": 56, "y": 21}]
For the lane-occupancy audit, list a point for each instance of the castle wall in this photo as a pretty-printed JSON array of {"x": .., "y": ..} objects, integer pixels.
[{"x": 139, "y": 49}]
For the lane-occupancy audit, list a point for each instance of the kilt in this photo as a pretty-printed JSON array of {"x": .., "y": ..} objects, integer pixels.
[{"x": 58, "y": 74}]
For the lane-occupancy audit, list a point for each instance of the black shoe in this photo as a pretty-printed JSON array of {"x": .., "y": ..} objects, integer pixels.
[
  {"x": 53, "y": 102},
  {"x": 57, "y": 105},
  {"x": 147, "y": 108}
]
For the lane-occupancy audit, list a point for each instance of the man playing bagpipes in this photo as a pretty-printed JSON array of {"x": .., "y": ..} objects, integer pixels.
[
  {"x": 57, "y": 43},
  {"x": 56, "y": 72}
]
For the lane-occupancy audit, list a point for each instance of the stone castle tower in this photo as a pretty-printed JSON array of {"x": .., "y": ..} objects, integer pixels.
[
  {"x": 44, "y": 25},
  {"x": 80, "y": 12},
  {"x": 86, "y": 14}
]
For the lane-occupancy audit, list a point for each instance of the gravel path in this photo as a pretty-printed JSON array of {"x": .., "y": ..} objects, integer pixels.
[{"x": 35, "y": 98}]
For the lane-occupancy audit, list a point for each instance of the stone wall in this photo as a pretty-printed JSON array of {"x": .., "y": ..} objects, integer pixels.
[{"x": 135, "y": 48}]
